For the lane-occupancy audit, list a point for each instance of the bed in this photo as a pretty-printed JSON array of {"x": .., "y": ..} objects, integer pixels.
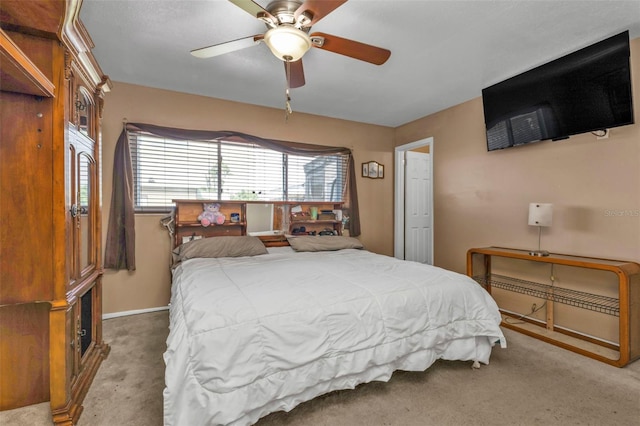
[{"x": 255, "y": 330}]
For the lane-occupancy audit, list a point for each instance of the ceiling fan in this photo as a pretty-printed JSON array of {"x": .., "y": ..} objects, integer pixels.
[{"x": 288, "y": 24}]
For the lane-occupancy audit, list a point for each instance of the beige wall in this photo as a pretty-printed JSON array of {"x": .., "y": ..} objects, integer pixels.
[
  {"x": 481, "y": 198},
  {"x": 148, "y": 286}
]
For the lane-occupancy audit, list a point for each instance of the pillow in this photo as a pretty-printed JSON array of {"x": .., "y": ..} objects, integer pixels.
[
  {"x": 323, "y": 243},
  {"x": 226, "y": 246}
]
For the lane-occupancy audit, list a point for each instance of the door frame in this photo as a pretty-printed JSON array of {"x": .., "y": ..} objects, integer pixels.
[{"x": 398, "y": 244}]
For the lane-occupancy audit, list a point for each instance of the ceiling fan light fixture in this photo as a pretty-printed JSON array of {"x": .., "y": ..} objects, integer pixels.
[{"x": 287, "y": 43}]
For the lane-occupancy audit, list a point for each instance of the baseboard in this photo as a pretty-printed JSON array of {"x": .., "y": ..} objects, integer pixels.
[{"x": 134, "y": 312}]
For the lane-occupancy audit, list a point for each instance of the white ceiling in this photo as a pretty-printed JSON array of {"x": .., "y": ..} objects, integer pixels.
[{"x": 442, "y": 52}]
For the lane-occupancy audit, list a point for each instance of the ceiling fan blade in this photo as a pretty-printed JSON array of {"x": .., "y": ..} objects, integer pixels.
[
  {"x": 350, "y": 48},
  {"x": 255, "y": 10},
  {"x": 227, "y": 47},
  {"x": 295, "y": 73},
  {"x": 318, "y": 9}
]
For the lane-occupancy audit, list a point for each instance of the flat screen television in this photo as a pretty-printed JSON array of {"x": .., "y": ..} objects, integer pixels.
[{"x": 584, "y": 91}]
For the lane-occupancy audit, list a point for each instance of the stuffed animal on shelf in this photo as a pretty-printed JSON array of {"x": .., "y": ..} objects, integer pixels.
[{"x": 211, "y": 215}]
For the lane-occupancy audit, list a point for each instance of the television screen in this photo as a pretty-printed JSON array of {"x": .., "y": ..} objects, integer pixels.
[{"x": 585, "y": 91}]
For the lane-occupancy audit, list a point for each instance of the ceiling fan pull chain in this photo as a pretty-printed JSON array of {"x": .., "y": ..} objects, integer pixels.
[
  {"x": 288, "y": 111},
  {"x": 287, "y": 104}
]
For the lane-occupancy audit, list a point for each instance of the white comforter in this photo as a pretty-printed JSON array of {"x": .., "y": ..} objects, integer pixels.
[{"x": 254, "y": 335}]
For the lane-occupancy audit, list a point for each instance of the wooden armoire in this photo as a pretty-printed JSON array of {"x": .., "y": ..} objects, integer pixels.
[{"x": 51, "y": 99}]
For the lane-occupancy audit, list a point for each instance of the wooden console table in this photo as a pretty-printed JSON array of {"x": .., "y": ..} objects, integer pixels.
[{"x": 625, "y": 304}]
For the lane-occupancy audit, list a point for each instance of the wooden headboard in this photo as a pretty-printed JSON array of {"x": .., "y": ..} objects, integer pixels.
[{"x": 187, "y": 225}]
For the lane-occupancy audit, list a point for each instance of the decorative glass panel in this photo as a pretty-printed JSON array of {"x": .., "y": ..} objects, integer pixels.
[{"x": 84, "y": 212}]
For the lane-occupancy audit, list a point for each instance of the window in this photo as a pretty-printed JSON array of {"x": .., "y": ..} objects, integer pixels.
[{"x": 166, "y": 169}]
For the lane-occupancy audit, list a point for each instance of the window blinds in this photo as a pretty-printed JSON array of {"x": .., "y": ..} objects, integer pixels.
[{"x": 166, "y": 169}]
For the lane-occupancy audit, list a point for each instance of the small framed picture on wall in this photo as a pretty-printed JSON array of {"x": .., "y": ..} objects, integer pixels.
[{"x": 373, "y": 170}]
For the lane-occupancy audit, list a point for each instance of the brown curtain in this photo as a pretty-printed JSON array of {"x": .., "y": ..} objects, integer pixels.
[{"x": 120, "y": 246}]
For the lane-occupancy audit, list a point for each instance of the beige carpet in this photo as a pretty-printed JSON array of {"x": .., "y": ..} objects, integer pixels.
[{"x": 529, "y": 383}]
